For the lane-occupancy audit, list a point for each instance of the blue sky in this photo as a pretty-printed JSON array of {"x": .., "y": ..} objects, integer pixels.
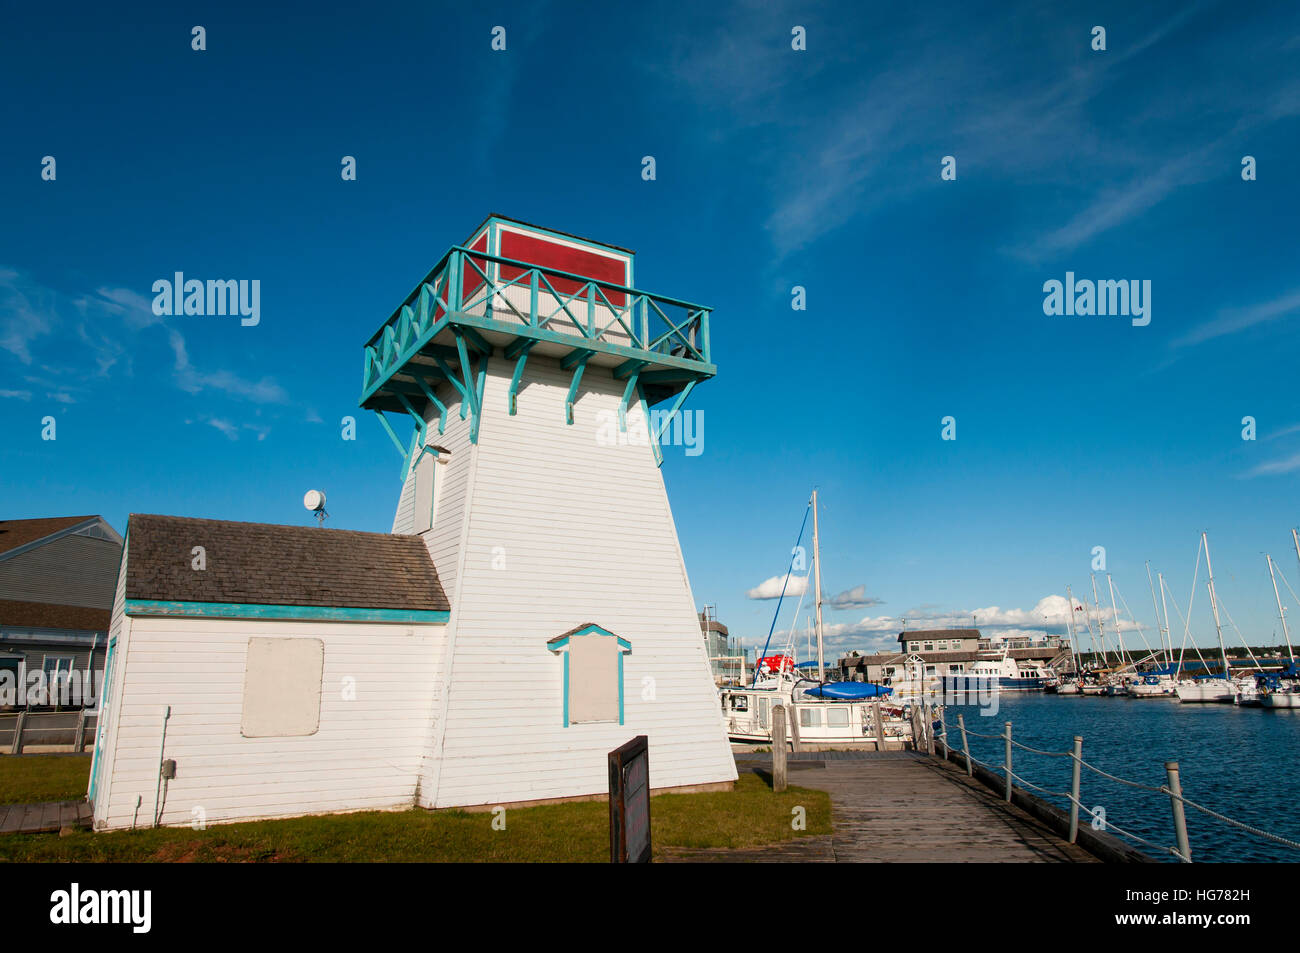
[{"x": 775, "y": 168}]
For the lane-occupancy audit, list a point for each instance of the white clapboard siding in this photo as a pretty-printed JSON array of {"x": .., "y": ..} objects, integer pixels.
[
  {"x": 561, "y": 530},
  {"x": 365, "y": 754},
  {"x": 110, "y": 693},
  {"x": 404, "y": 519}
]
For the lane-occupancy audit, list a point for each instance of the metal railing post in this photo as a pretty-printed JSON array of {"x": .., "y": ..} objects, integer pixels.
[
  {"x": 778, "y": 749},
  {"x": 1180, "y": 821},
  {"x": 1077, "y": 758},
  {"x": 17, "y": 746},
  {"x": 965, "y": 743},
  {"x": 1007, "y": 736}
]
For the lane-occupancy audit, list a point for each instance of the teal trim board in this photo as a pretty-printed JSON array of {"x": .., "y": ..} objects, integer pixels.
[{"x": 231, "y": 610}]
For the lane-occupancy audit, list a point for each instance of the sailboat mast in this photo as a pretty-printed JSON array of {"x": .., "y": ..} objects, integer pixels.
[
  {"x": 1156, "y": 609},
  {"x": 1214, "y": 605},
  {"x": 1101, "y": 623},
  {"x": 1280, "y": 611},
  {"x": 1074, "y": 653},
  {"x": 1165, "y": 606},
  {"x": 817, "y": 581},
  {"x": 1114, "y": 610}
]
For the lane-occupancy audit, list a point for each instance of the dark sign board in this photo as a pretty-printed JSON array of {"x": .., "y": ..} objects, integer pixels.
[{"x": 629, "y": 802}]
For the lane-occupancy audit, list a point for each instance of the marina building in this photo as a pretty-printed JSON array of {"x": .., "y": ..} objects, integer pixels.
[
  {"x": 529, "y": 612},
  {"x": 56, "y": 593},
  {"x": 727, "y": 659},
  {"x": 946, "y": 652}
]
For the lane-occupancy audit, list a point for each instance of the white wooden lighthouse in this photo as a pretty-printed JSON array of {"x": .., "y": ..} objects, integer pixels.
[
  {"x": 529, "y": 613},
  {"x": 528, "y": 362}
]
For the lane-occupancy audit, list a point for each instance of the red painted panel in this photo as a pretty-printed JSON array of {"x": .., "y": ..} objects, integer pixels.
[{"x": 579, "y": 261}]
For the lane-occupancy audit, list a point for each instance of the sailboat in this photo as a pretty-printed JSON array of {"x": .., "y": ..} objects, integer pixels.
[
  {"x": 820, "y": 712},
  {"x": 1160, "y": 683},
  {"x": 1210, "y": 688},
  {"x": 1283, "y": 689}
]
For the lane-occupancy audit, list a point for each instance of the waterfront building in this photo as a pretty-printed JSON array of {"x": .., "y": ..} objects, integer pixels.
[
  {"x": 56, "y": 593},
  {"x": 948, "y": 652},
  {"x": 529, "y": 612}
]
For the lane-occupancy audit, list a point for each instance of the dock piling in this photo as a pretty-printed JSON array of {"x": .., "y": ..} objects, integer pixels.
[
  {"x": 877, "y": 717},
  {"x": 965, "y": 743},
  {"x": 1077, "y": 758},
  {"x": 1007, "y": 736},
  {"x": 1180, "y": 821},
  {"x": 778, "y": 749}
]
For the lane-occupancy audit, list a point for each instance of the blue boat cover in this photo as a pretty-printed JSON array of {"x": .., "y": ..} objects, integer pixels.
[{"x": 848, "y": 690}]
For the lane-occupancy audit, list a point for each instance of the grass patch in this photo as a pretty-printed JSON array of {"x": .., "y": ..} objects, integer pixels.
[
  {"x": 28, "y": 778},
  {"x": 749, "y": 816}
]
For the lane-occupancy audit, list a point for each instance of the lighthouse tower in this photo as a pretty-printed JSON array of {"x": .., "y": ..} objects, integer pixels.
[{"x": 540, "y": 384}]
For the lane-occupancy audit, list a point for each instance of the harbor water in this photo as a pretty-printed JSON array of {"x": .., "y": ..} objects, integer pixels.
[{"x": 1236, "y": 761}]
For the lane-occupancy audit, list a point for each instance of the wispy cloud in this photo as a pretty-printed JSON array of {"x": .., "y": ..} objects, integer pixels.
[
  {"x": 1277, "y": 467},
  {"x": 1236, "y": 320},
  {"x": 839, "y": 147},
  {"x": 108, "y": 324}
]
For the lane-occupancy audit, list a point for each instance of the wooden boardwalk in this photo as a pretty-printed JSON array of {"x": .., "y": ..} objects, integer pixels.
[
  {"x": 48, "y": 816},
  {"x": 907, "y": 808}
]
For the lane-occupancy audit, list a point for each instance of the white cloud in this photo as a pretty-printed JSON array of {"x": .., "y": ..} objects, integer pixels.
[
  {"x": 225, "y": 426},
  {"x": 771, "y": 588}
]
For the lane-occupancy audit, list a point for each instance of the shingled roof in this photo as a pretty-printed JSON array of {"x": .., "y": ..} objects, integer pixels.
[
  {"x": 15, "y": 533},
  {"x": 266, "y": 564},
  {"x": 47, "y": 615}
]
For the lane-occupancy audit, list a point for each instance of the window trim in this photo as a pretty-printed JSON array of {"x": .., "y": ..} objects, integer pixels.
[{"x": 560, "y": 646}]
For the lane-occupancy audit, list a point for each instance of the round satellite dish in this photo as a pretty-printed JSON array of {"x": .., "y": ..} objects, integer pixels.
[{"x": 314, "y": 500}]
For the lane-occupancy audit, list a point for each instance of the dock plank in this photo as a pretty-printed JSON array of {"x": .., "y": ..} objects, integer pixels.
[
  {"x": 44, "y": 816},
  {"x": 905, "y": 807}
]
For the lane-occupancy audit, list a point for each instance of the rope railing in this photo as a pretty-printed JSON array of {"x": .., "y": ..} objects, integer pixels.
[{"x": 1172, "y": 789}]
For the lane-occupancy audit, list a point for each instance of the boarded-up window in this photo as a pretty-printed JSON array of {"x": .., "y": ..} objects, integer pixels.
[
  {"x": 282, "y": 685},
  {"x": 593, "y": 678}
]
